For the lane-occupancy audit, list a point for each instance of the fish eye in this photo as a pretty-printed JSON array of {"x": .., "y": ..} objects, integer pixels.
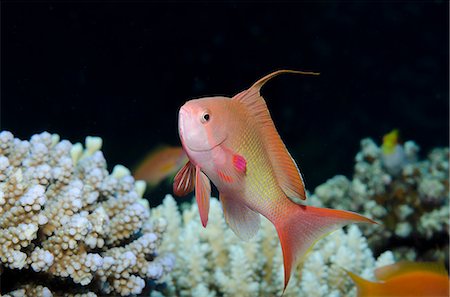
[{"x": 205, "y": 117}]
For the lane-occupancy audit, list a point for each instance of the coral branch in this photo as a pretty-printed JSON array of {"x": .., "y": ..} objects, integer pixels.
[{"x": 64, "y": 217}]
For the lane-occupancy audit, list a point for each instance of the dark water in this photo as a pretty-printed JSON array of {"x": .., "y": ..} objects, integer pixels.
[{"x": 121, "y": 70}]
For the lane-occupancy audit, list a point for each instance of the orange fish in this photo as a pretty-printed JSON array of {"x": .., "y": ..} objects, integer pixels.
[
  {"x": 233, "y": 142},
  {"x": 160, "y": 164},
  {"x": 405, "y": 279}
]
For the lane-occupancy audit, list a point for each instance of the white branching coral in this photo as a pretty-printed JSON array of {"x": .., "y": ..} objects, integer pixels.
[
  {"x": 411, "y": 205},
  {"x": 213, "y": 261},
  {"x": 63, "y": 216}
]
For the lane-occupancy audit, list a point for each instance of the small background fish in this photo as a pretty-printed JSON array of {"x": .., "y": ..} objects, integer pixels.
[
  {"x": 405, "y": 279},
  {"x": 161, "y": 163}
]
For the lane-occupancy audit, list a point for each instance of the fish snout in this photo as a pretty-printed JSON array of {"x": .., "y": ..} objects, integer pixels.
[{"x": 182, "y": 115}]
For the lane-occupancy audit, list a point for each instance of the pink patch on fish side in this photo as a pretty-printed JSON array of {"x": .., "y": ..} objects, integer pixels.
[{"x": 240, "y": 163}]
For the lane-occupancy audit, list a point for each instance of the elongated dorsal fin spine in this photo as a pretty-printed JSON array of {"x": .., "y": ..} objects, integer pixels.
[{"x": 258, "y": 85}]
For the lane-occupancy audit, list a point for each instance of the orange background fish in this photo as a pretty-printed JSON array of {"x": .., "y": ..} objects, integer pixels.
[
  {"x": 233, "y": 142},
  {"x": 405, "y": 279},
  {"x": 160, "y": 164}
]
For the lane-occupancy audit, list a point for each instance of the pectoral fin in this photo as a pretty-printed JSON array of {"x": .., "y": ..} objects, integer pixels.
[
  {"x": 241, "y": 219},
  {"x": 202, "y": 194},
  {"x": 183, "y": 182}
]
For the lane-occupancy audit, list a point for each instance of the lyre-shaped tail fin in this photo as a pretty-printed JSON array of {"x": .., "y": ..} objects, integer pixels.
[{"x": 299, "y": 229}]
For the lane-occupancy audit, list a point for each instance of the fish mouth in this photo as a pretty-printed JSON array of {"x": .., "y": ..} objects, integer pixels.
[{"x": 209, "y": 149}]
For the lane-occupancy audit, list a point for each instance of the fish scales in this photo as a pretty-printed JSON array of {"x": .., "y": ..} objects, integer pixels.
[{"x": 262, "y": 188}]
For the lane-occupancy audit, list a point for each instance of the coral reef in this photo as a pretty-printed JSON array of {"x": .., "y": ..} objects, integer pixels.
[
  {"x": 408, "y": 197},
  {"x": 69, "y": 225},
  {"x": 215, "y": 262}
]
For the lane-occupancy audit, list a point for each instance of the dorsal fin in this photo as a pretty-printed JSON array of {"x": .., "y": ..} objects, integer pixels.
[{"x": 286, "y": 171}]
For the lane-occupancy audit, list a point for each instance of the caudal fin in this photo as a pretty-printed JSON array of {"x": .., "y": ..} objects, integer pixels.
[{"x": 303, "y": 225}]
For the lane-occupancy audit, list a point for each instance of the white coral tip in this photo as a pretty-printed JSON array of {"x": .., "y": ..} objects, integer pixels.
[
  {"x": 4, "y": 162},
  {"x": 42, "y": 219},
  {"x": 55, "y": 139},
  {"x": 93, "y": 144},
  {"x": 140, "y": 187},
  {"x": 154, "y": 270},
  {"x": 120, "y": 171},
  {"x": 76, "y": 152},
  {"x": 46, "y": 292}
]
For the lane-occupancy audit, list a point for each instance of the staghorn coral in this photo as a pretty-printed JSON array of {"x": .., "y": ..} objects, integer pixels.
[
  {"x": 213, "y": 261},
  {"x": 411, "y": 205},
  {"x": 64, "y": 217}
]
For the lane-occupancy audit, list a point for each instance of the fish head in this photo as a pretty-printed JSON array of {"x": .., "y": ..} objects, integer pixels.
[{"x": 202, "y": 123}]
